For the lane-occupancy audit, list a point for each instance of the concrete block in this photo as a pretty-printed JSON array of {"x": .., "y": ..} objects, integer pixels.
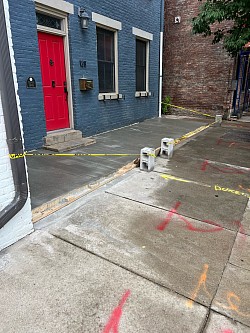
[
  {"x": 218, "y": 119},
  {"x": 147, "y": 159},
  {"x": 167, "y": 147}
]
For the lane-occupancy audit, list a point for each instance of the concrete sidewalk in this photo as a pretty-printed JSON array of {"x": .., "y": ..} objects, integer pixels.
[{"x": 166, "y": 251}]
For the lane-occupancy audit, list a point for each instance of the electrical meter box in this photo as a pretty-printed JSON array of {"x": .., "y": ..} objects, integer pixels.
[{"x": 85, "y": 84}]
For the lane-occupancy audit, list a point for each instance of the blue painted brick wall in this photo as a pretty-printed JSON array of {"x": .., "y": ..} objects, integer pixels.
[
  {"x": 90, "y": 115},
  {"x": 23, "y": 26}
]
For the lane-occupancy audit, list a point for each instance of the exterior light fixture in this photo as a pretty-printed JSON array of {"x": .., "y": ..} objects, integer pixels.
[{"x": 84, "y": 18}]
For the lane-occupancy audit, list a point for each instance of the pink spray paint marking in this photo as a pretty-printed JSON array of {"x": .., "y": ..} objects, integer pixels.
[
  {"x": 162, "y": 226},
  {"x": 205, "y": 164},
  {"x": 241, "y": 228},
  {"x": 242, "y": 235},
  {"x": 114, "y": 320},
  {"x": 227, "y": 331},
  {"x": 232, "y": 144}
]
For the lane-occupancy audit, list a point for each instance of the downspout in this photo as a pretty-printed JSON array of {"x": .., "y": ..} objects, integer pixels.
[
  {"x": 161, "y": 55},
  {"x": 13, "y": 131}
]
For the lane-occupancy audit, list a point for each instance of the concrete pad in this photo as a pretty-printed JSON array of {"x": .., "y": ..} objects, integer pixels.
[
  {"x": 196, "y": 199},
  {"x": 48, "y": 285},
  {"x": 246, "y": 220},
  {"x": 125, "y": 232},
  {"x": 240, "y": 255},
  {"x": 46, "y": 173},
  {"x": 208, "y": 172},
  {"x": 221, "y": 324},
  {"x": 46, "y": 183},
  {"x": 210, "y": 145},
  {"x": 233, "y": 295}
]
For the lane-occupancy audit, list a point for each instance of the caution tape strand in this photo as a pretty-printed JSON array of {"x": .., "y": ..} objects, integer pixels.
[
  {"x": 190, "y": 110},
  {"x": 15, "y": 156},
  {"x": 175, "y": 142}
]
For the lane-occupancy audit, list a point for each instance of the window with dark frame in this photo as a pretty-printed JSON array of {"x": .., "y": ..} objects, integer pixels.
[
  {"x": 106, "y": 60},
  {"x": 141, "y": 65}
]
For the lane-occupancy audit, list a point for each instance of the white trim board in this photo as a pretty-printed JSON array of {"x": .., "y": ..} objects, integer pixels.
[
  {"x": 141, "y": 33},
  {"x": 106, "y": 21},
  {"x": 61, "y": 5}
]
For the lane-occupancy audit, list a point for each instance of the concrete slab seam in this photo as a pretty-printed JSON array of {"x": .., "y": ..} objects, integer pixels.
[{"x": 126, "y": 269}]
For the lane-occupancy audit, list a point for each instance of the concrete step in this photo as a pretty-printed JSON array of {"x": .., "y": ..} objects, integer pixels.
[
  {"x": 62, "y": 136},
  {"x": 68, "y": 145},
  {"x": 66, "y": 140}
]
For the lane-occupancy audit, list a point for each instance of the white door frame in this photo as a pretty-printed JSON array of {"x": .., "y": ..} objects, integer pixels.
[{"x": 44, "y": 9}]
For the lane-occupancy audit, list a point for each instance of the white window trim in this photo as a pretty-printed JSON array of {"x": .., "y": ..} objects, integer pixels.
[
  {"x": 142, "y": 34},
  {"x": 58, "y": 5},
  {"x": 52, "y": 31},
  {"x": 147, "y": 37},
  {"x": 112, "y": 25},
  {"x": 106, "y": 21},
  {"x": 42, "y": 7}
]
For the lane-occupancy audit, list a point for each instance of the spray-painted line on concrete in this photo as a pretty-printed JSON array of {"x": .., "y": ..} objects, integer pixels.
[
  {"x": 190, "y": 110},
  {"x": 215, "y": 187},
  {"x": 170, "y": 177},
  {"x": 233, "y": 300}
]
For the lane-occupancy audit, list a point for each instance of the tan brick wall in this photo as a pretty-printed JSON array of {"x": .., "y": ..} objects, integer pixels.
[{"x": 196, "y": 73}]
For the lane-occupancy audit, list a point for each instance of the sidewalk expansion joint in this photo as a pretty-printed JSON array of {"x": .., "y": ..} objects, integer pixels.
[
  {"x": 128, "y": 270},
  {"x": 222, "y": 273},
  {"x": 165, "y": 210},
  {"x": 244, "y": 268}
]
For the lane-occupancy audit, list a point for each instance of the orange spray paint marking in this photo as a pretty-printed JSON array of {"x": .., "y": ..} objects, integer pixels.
[
  {"x": 201, "y": 283},
  {"x": 245, "y": 189},
  {"x": 113, "y": 323},
  {"x": 189, "y": 225},
  {"x": 232, "y": 299}
]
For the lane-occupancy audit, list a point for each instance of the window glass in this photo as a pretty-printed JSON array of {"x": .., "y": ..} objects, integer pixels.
[
  {"x": 106, "y": 63},
  {"x": 141, "y": 62},
  {"x": 48, "y": 21}
]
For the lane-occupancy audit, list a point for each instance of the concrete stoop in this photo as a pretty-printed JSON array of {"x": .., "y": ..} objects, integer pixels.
[{"x": 64, "y": 140}]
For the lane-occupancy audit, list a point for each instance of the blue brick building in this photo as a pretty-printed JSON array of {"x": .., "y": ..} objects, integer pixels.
[{"x": 92, "y": 80}]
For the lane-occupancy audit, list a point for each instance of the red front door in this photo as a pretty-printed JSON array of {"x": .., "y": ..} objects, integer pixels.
[{"x": 54, "y": 81}]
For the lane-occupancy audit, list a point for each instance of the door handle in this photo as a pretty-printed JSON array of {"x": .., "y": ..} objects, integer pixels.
[{"x": 53, "y": 83}]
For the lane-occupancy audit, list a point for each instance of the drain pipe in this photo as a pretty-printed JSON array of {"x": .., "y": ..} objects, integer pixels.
[
  {"x": 161, "y": 55},
  {"x": 13, "y": 131}
]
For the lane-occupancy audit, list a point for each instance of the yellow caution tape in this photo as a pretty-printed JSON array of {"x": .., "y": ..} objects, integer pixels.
[
  {"x": 192, "y": 133},
  {"x": 15, "y": 156},
  {"x": 190, "y": 110},
  {"x": 176, "y": 141}
]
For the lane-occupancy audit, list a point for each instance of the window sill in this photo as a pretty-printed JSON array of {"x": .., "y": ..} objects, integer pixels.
[
  {"x": 111, "y": 96},
  {"x": 142, "y": 94}
]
